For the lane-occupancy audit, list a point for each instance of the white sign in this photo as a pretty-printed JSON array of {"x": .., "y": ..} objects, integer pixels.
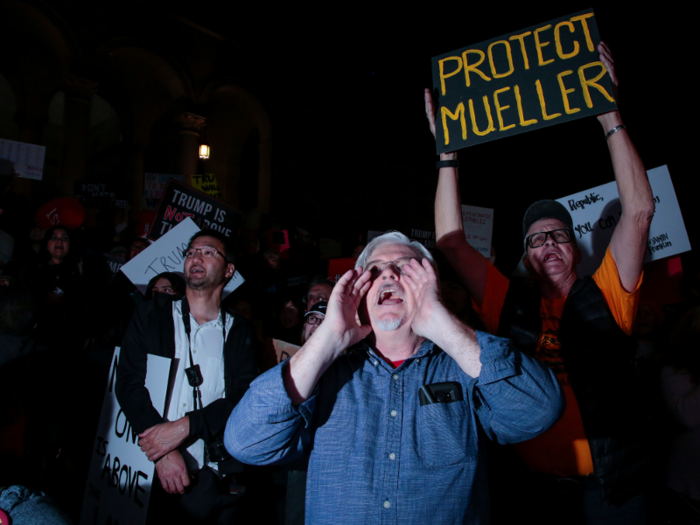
[
  {"x": 165, "y": 255},
  {"x": 478, "y": 228},
  {"x": 119, "y": 480},
  {"x": 28, "y": 159},
  {"x": 595, "y": 213}
]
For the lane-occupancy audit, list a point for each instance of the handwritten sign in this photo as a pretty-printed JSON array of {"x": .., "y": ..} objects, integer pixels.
[
  {"x": 478, "y": 227},
  {"x": 119, "y": 481},
  {"x": 425, "y": 237},
  {"x": 154, "y": 186},
  {"x": 27, "y": 160},
  {"x": 537, "y": 77},
  {"x": 595, "y": 214},
  {"x": 165, "y": 255},
  {"x": 180, "y": 202},
  {"x": 206, "y": 184}
]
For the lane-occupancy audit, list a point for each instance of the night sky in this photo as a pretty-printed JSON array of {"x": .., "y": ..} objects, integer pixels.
[{"x": 343, "y": 86}]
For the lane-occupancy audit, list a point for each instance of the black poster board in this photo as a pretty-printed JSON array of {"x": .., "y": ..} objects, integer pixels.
[
  {"x": 180, "y": 201},
  {"x": 537, "y": 77}
]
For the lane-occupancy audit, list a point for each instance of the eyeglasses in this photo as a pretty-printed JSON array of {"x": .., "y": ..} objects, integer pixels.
[
  {"x": 378, "y": 267},
  {"x": 313, "y": 299},
  {"x": 314, "y": 319},
  {"x": 207, "y": 252},
  {"x": 559, "y": 236}
]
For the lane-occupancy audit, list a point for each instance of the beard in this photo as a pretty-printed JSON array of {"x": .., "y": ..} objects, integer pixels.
[{"x": 389, "y": 325}]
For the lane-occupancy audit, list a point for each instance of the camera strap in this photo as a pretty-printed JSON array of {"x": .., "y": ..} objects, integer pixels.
[{"x": 194, "y": 375}]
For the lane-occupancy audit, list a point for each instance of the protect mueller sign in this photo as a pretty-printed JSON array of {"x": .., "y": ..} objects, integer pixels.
[
  {"x": 180, "y": 202},
  {"x": 537, "y": 77}
]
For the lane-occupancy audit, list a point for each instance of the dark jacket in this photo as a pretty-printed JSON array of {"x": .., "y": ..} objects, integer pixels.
[
  {"x": 598, "y": 357},
  {"x": 152, "y": 330}
]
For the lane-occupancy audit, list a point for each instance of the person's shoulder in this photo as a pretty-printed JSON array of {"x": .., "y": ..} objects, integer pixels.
[{"x": 160, "y": 304}]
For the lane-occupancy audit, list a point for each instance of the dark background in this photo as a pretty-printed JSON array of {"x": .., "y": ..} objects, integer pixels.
[{"x": 343, "y": 84}]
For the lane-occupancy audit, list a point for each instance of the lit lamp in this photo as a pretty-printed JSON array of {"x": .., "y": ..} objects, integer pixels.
[{"x": 204, "y": 151}]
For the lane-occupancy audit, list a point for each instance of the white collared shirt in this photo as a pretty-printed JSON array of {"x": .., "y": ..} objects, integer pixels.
[{"x": 207, "y": 352}]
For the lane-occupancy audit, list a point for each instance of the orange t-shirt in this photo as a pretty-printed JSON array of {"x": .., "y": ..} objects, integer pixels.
[{"x": 562, "y": 450}]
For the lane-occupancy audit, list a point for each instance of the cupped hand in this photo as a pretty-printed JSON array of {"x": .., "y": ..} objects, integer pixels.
[
  {"x": 421, "y": 279},
  {"x": 340, "y": 323}
]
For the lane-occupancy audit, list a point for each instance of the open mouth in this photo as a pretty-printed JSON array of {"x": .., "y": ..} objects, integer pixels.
[
  {"x": 390, "y": 295},
  {"x": 552, "y": 256},
  {"x": 196, "y": 271}
]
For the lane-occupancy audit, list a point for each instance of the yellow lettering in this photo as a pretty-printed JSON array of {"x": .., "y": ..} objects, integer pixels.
[
  {"x": 582, "y": 18},
  {"x": 473, "y": 67},
  {"x": 557, "y": 41},
  {"x": 510, "y": 59},
  {"x": 487, "y": 107},
  {"x": 585, "y": 84},
  {"x": 519, "y": 103},
  {"x": 500, "y": 108},
  {"x": 442, "y": 71},
  {"x": 521, "y": 38},
  {"x": 540, "y": 94},
  {"x": 564, "y": 92},
  {"x": 457, "y": 114},
  {"x": 539, "y": 45}
]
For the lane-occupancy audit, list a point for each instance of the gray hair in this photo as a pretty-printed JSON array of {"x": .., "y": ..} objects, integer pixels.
[{"x": 395, "y": 238}]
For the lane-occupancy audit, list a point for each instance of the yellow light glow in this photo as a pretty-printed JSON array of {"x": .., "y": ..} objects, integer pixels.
[{"x": 203, "y": 151}]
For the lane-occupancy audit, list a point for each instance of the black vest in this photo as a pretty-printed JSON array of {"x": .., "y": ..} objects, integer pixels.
[{"x": 598, "y": 357}]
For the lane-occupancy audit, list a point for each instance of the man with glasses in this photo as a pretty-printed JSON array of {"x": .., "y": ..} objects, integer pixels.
[
  {"x": 591, "y": 463},
  {"x": 313, "y": 319},
  {"x": 320, "y": 289},
  {"x": 393, "y": 398},
  {"x": 213, "y": 356}
]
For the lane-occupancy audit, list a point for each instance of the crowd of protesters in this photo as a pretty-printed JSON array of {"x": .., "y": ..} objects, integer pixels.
[{"x": 63, "y": 310}]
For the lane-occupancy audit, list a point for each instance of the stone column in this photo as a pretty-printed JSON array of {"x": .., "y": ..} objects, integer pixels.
[
  {"x": 190, "y": 126},
  {"x": 76, "y": 128}
]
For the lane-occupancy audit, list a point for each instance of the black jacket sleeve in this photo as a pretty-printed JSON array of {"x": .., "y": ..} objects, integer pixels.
[{"x": 131, "y": 391}]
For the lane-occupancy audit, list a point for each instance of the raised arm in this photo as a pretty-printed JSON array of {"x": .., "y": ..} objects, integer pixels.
[
  {"x": 629, "y": 240},
  {"x": 469, "y": 264}
]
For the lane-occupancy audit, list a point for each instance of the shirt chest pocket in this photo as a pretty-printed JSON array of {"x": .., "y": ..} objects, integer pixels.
[{"x": 444, "y": 434}]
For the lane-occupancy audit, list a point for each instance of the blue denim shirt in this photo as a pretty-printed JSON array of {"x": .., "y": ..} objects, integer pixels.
[{"x": 377, "y": 456}]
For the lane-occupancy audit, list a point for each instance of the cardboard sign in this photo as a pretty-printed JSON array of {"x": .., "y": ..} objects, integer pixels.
[
  {"x": 478, "y": 228},
  {"x": 180, "y": 202},
  {"x": 98, "y": 195},
  {"x": 27, "y": 160},
  {"x": 537, "y": 77},
  {"x": 284, "y": 350},
  {"x": 206, "y": 184},
  {"x": 595, "y": 213},
  {"x": 154, "y": 186},
  {"x": 165, "y": 255},
  {"x": 119, "y": 480}
]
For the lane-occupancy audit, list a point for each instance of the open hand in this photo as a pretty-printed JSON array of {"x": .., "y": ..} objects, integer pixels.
[
  {"x": 160, "y": 439},
  {"x": 172, "y": 473}
]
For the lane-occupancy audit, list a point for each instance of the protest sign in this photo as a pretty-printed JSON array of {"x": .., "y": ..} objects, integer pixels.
[
  {"x": 65, "y": 211},
  {"x": 27, "y": 160},
  {"x": 154, "y": 186},
  {"x": 537, "y": 77},
  {"x": 99, "y": 195},
  {"x": 119, "y": 481},
  {"x": 180, "y": 202},
  {"x": 206, "y": 184},
  {"x": 165, "y": 255},
  {"x": 478, "y": 227},
  {"x": 425, "y": 237},
  {"x": 595, "y": 214}
]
